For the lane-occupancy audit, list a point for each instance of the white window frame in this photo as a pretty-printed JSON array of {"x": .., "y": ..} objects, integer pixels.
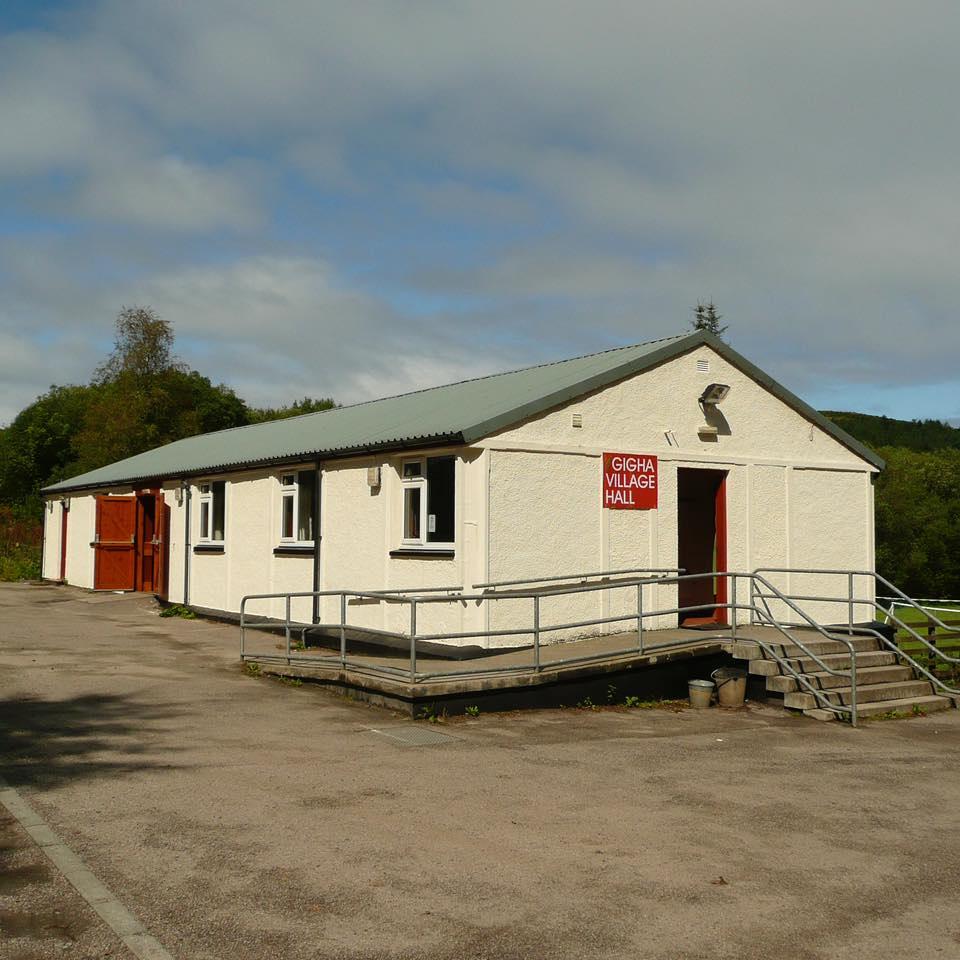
[
  {"x": 205, "y": 497},
  {"x": 407, "y": 483},
  {"x": 292, "y": 492}
]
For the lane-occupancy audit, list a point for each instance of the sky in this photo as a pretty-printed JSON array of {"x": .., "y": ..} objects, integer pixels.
[{"x": 357, "y": 199}]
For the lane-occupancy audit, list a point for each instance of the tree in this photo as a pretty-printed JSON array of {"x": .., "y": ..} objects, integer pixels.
[
  {"x": 37, "y": 447},
  {"x": 142, "y": 347},
  {"x": 705, "y": 317},
  {"x": 146, "y": 397},
  {"x": 295, "y": 409}
]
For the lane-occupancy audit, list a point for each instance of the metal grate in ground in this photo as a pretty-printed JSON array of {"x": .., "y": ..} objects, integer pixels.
[{"x": 415, "y": 735}]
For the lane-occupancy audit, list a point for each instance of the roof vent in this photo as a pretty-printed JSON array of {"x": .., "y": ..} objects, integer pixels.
[
  {"x": 578, "y": 419},
  {"x": 703, "y": 366}
]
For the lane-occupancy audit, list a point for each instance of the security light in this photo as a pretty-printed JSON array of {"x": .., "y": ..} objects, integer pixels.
[{"x": 714, "y": 394}]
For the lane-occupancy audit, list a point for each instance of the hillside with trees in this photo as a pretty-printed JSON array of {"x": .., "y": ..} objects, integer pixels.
[
  {"x": 140, "y": 397},
  {"x": 878, "y": 432},
  {"x": 917, "y": 501}
]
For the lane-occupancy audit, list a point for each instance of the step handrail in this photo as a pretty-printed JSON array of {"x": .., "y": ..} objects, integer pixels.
[
  {"x": 878, "y": 578},
  {"x": 873, "y": 604}
]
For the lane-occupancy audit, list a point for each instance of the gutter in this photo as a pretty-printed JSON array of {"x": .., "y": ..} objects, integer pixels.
[{"x": 422, "y": 443}]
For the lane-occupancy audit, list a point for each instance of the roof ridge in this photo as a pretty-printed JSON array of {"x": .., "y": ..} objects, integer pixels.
[
  {"x": 439, "y": 386},
  {"x": 486, "y": 376}
]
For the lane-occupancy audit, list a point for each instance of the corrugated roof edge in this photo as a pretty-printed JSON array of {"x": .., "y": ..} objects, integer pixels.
[{"x": 673, "y": 347}]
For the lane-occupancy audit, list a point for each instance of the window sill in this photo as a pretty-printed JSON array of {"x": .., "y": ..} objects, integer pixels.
[
  {"x": 208, "y": 548},
  {"x": 294, "y": 550},
  {"x": 424, "y": 553}
]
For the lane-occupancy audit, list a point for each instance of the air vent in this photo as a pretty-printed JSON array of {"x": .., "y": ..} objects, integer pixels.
[
  {"x": 578, "y": 419},
  {"x": 703, "y": 366}
]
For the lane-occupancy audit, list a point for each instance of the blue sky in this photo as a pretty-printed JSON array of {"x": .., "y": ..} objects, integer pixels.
[{"x": 357, "y": 199}]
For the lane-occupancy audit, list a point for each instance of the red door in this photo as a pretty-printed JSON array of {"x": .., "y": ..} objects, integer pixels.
[
  {"x": 153, "y": 522},
  {"x": 146, "y": 541},
  {"x": 115, "y": 547},
  {"x": 161, "y": 552},
  {"x": 702, "y": 544}
]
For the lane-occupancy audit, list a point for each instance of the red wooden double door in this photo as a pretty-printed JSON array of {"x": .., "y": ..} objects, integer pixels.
[{"x": 131, "y": 546}]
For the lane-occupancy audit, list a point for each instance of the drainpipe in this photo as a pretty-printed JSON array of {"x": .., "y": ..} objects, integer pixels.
[
  {"x": 185, "y": 486},
  {"x": 317, "y": 487},
  {"x": 43, "y": 537}
]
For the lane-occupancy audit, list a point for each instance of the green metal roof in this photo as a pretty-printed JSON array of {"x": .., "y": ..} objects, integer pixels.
[{"x": 457, "y": 413}]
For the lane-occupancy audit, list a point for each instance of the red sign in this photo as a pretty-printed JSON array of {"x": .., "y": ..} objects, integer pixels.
[{"x": 629, "y": 481}]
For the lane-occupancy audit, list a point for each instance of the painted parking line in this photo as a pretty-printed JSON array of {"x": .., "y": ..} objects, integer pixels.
[{"x": 134, "y": 935}]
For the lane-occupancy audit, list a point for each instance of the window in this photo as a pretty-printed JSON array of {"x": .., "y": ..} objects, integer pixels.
[
  {"x": 429, "y": 501},
  {"x": 212, "y": 500},
  {"x": 297, "y": 507}
]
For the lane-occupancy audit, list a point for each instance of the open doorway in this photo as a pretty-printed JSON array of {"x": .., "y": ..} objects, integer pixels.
[{"x": 702, "y": 544}]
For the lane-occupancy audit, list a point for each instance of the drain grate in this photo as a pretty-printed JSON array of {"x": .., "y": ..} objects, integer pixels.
[{"x": 415, "y": 735}]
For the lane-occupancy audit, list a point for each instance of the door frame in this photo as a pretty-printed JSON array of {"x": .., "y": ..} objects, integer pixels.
[
  {"x": 160, "y": 544},
  {"x": 719, "y": 615},
  {"x": 64, "y": 515}
]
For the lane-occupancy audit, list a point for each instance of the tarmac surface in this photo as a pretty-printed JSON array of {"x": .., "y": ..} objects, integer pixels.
[{"x": 239, "y": 817}]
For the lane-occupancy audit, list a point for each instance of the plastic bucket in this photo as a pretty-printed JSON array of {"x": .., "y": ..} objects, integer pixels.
[
  {"x": 701, "y": 693},
  {"x": 731, "y": 686}
]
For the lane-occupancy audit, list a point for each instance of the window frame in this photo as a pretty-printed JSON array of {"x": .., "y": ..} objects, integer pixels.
[
  {"x": 207, "y": 498},
  {"x": 420, "y": 481},
  {"x": 291, "y": 492}
]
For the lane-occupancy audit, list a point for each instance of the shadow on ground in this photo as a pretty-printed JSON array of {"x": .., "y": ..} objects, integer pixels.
[{"x": 46, "y": 742}]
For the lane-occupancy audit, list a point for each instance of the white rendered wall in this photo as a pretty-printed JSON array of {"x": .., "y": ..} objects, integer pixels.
[
  {"x": 50, "y": 559},
  {"x": 795, "y": 495},
  {"x": 362, "y": 527},
  {"x": 81, "y": 527}
]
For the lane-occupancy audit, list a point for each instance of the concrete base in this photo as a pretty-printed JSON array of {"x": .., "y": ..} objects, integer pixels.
[{"x": 648, "y": 676}]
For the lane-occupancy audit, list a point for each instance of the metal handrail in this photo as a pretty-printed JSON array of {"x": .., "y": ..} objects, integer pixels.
[
  {"x": 866, "y": 601},
  {"x": 576, "y": 576},
  {"x": 768, "y": 591}
]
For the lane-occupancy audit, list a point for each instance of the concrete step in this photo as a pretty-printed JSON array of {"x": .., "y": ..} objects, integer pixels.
[
  {"x": 770, "y": 668},
  {"x": 750, "y": 650},
  {"x": 931, "y": 704},
  {"x": 783, "y": 683},
  {"x": 866, "y": 693}
]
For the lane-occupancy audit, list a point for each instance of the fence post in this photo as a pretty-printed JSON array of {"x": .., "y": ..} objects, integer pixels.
[
  {"x": 639, "y": 618},
  {"x": 733, "y": 607},
  {"x": 932, "y": 640},
  {"x": 286, "y": 629},
  {"x": 753, "y": 598},
  {"x": 850, "y": 603},
  {"x": 536, "y": 632},
  {"x": 413, "y": 640},
  {"x": 343, "y": 630}
]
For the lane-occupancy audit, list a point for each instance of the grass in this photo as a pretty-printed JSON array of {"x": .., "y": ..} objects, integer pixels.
[
  {"x": 178, "y": 610},
  {"x": 947, "y": 641},
  {"x": 20, "y": 538}
]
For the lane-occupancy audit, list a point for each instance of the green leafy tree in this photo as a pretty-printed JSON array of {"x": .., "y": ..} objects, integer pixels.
[
  {"x": 705, "y": 317},
  {"x": 918, "y": 521},
  {"x": 37, "y": 447},
  {"x": 145, "y": 396},
  {"x": 295, "y": 409}
]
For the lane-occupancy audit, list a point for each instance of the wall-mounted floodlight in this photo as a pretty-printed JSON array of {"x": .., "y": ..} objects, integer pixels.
[{"x": 714, "y": 394}]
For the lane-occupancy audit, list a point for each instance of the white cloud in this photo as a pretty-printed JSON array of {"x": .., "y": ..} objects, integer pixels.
[
  {"x": 794, "y": 162},
  {"x": 280, "y": 328},
  {"x": 168, "y": 193}
]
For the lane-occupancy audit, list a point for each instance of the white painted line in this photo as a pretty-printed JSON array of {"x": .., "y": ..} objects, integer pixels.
[{"x": 134, "y": 935}]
